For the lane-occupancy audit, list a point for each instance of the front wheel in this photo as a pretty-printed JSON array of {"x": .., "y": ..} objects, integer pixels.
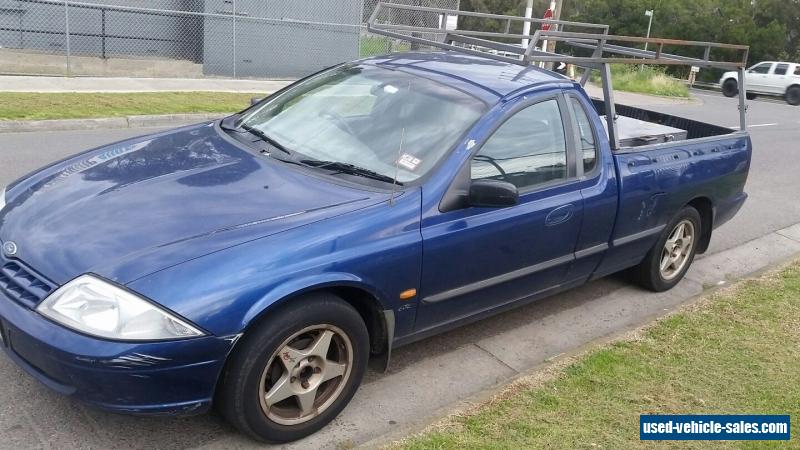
[
  {"x": 668, "y": 260},
  {"x": 793, "y": 96},
  {"x": 730, "y": 88},
  {"x": 295, "y": 372}
]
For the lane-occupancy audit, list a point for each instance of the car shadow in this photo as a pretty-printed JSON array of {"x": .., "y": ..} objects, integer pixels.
[{"x": 410, "y": 354}]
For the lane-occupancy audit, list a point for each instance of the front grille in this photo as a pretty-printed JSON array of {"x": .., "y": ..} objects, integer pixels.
[{"x": 22, "y": 285}]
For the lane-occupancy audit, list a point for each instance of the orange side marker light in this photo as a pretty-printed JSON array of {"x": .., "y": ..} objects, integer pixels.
[{"x": 408, "y": 294}]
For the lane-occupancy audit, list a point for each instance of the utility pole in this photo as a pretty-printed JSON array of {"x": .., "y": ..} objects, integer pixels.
[
  {"x": 526, "y": 27},
  {"x": 556, "y": 6},
  {"x": 649, "y": 13}
]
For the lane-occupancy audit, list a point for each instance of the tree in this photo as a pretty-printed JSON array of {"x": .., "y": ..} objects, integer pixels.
[{"x": 770, "y": 27}]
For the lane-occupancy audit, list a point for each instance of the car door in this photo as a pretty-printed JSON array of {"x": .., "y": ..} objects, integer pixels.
[
  {"x": 757, "y": 77},
  {"x": 479, "y": 258},
  {"x": 778, "y": 80}
]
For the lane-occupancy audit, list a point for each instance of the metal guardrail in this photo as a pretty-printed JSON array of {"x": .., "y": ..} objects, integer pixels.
[{"x": 600, "y": 43}]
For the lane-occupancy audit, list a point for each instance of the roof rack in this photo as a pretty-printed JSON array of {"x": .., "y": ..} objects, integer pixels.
[{"x": 597, "y": 40}]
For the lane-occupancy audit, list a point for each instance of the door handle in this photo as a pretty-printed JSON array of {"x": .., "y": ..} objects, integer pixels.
[{"x": 559, "y": 215}]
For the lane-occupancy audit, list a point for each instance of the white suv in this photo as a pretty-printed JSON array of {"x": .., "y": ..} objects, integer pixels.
[{"x": 766, "y": 78}]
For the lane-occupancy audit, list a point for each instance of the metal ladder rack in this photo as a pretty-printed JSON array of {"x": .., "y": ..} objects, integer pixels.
[{"x": 598, "y": 41}]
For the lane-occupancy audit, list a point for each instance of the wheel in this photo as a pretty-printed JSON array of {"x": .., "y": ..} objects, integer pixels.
[
  {"x": 296, "y": 371},
  {"x": 793, "y": 95},
  {"x": 750, "y": 96},
  {"x": 669, "y": 259},
  {"x": 730, "y": 88}
]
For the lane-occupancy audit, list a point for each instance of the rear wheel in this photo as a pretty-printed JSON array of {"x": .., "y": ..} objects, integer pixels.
[
  {"x": 750, "y": 96},
  {"x": 668, "y": 260},
  {"x": 730, "y": 88},
  {"x": 793, "y": 95},
  {"x": 297, "y": 370}
]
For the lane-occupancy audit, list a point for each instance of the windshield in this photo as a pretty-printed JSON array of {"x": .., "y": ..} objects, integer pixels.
[{"x": 382, "y": 120}]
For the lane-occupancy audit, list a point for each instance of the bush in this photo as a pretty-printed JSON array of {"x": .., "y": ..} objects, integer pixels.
[{"x": 649, "y": 80}]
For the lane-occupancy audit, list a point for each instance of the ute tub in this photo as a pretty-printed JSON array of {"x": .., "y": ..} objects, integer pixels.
[{"x": 680, "y": 128}]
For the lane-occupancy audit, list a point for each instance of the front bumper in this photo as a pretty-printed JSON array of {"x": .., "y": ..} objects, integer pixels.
[{"x": 169, "y": 377}]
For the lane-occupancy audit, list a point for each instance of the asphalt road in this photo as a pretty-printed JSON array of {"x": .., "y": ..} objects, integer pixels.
[{"x": 33, "y": 417}]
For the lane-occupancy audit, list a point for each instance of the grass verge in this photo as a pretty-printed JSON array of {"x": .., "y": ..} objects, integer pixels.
[
  {"x": 75, "y": 105},
  {"x": 379, "y": 45},
  {"x": 737, "y": 351},
  {"x": 649, "y": 80}
]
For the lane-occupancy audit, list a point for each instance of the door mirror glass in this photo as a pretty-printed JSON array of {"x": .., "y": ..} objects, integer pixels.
[{"x": 493, "y": 194}]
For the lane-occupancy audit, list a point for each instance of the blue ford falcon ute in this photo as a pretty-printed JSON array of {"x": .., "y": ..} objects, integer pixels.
[{"x": 261, "y": 261}]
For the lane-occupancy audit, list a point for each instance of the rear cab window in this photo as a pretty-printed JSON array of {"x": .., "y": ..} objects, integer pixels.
[{"x": 584, "y": 135}]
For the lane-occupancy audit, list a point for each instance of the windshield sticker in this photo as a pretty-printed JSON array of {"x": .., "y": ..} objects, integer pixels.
[{"x": 409, "y": 161}]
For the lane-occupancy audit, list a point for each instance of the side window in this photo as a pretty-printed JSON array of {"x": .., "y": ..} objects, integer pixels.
[
  {"x": 527, "y": 150},
  {"x": 781, "y": 69},
  {"x": 797, "y": 69},
  {"x": 761, "y": 68},
  {"x": 586, "y": 144}
]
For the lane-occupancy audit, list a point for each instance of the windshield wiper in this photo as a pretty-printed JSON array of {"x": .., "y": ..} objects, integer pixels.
[
  {"x": 265, "y": 137},
  {"x": 351, "y": 169}
]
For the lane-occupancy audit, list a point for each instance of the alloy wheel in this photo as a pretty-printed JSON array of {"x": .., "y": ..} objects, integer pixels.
[
  {"x": 677, "y": 250},
  {"x": 306, "y": 374}
]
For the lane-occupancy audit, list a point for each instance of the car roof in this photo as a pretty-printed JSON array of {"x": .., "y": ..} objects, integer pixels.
[{"x": 486, "y": 78}]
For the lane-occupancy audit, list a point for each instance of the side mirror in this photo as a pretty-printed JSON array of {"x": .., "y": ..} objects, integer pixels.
[
  {"x": 493, "y": 193},
  {"x": 255, "y": 100}
]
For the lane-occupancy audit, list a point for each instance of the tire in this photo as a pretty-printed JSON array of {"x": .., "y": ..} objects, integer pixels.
[
  {"x": 292, "y": 336},
  {"x": 793, "y": 95},
  {"x": 730, "y": 88},
  {"x": 750, "y": 96},
  {"x": 650, "y": 274}
]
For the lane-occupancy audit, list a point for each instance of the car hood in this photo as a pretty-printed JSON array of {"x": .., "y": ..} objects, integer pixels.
[{"x": 130, "y": 209}]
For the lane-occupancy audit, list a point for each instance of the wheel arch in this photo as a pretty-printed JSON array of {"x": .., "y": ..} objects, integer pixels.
[
  {"x": 789, "y": 88},
  {"x": 705, "y": 207},
  {"x": 368, "y": 301}
]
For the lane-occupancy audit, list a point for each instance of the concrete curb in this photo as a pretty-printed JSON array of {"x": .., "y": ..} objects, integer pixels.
[{"x": 19, "y": 126}]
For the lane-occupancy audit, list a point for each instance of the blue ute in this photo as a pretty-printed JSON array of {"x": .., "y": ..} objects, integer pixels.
[{"x": 261, "y": 260}]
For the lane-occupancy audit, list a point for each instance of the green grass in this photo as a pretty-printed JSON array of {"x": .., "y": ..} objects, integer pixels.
[
  {"x": 650, "y": 80},
  {"x": 737, "y": 352},
  {"x": 36, "y": 106},
  {"x": 379, "y": 45}
]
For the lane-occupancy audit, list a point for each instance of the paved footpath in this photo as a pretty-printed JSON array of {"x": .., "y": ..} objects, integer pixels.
[{"x": 13, "y": 83}]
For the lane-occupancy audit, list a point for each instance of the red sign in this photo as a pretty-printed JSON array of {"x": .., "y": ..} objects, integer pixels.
[{"x": 547, "y": 15}]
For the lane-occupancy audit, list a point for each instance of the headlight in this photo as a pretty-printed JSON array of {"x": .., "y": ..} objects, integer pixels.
[{"x": 96, "y": 307}]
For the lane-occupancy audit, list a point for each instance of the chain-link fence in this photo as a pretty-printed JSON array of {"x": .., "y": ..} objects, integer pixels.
[{"x": 190, "y": 38}]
